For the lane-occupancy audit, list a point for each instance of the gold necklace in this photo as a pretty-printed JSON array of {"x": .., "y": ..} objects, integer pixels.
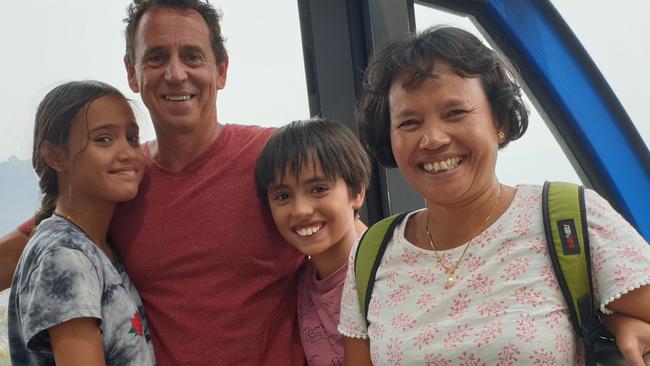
[{"x": 450, "y": 271}]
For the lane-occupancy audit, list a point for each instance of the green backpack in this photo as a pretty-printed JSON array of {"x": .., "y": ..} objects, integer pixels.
[{"x": 565, "y": 226}]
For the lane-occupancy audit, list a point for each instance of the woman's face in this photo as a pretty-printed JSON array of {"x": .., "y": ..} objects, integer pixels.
[
  {"x": 104, "y": 160},
  {"x": 443, "y": 136}
]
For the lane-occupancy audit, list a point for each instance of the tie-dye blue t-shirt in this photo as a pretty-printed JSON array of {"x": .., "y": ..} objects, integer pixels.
[{"x": 63, "y": 275}]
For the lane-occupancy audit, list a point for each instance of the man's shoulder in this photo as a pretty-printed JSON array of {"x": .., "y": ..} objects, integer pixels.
[{"x": 248, "y": 131}]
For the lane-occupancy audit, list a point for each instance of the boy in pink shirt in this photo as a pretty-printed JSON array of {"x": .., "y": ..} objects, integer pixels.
[{"x": 313, "y": 175}]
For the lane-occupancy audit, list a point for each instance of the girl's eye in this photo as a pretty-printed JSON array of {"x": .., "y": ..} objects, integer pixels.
[
  {"x": 103, "y": 139},
  {"x": 134, "y": 140}
]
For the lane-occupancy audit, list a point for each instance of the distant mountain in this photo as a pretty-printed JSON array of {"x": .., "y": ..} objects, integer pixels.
[
  {"x": 19, "y": 197},
  {"x": 18, "y": 193}
]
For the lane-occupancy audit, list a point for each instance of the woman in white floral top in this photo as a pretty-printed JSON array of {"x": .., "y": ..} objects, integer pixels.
[{"x": 468, "y": 280}]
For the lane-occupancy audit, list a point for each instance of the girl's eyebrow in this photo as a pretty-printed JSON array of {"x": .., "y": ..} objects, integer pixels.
[{"x": 112, "y": 126}]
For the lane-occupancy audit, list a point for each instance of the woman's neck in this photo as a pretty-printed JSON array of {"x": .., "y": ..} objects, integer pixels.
[{"x": 451, "y": 226}]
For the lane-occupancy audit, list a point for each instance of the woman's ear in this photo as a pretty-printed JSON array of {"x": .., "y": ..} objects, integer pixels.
[
  {"x": 357, "y": 200},
  {"x": 53, "y": 155}
]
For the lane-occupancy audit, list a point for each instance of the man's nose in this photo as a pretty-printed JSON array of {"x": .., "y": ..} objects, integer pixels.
[{"x": 175, "y": 71}]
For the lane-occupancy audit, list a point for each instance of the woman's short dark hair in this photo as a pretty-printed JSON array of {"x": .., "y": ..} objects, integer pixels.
[
  {"x": 329, "y": 143},
  {"x": 416, "y": 55},
  {"x": 211, "y": 16},
  {"x": 54, "y": 117}
]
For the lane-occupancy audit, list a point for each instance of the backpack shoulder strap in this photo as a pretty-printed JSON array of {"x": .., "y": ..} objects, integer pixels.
[
  {"x": 370, "y": 250},
  {"x": 567, "y": 238}
]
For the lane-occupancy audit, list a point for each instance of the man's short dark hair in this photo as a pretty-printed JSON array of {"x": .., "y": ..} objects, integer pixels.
[
  {"x": 211, "y": 16},
  {"x": 416, "y": 55},
  {"x": 299, "y": 143}
]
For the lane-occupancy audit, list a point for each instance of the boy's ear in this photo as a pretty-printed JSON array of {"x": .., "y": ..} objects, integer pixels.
[
  {"x": 357, "y": 200},
  {"x": 53, "y": 155}
]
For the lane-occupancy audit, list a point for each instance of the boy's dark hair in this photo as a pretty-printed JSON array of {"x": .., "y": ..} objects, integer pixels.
[
  {"x": 211, "y": 16},
  {"x": 292, "y": 146},
  {"x": 54, "y": 117},
  {"x": 416, "y": 55}
]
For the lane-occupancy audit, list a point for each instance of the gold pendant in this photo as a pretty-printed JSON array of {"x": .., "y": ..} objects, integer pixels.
[{"x": 450, "y": 281}]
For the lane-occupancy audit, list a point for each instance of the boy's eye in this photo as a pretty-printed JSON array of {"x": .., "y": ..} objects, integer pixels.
[
  {"x": 280, "y": 197},
  {"x": 319, "y": 189}
]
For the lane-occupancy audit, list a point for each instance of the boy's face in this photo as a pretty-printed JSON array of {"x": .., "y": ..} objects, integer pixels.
[{"x": 313, "y": 213}]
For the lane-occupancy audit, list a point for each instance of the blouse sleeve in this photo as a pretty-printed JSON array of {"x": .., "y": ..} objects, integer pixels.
[
  {"x": 63, "y": 285},
  {"x": 620, "y": 257},
  {"x": 352, "y": 323}
]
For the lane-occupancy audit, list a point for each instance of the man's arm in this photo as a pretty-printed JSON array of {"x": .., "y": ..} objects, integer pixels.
[{"x": 11, "y": 247}]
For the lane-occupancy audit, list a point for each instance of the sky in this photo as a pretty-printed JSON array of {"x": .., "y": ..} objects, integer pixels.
[{"x": 47, "y": 42}]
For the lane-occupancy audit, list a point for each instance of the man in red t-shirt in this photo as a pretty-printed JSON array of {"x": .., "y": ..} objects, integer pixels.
[{"x": 217, "y": 282}]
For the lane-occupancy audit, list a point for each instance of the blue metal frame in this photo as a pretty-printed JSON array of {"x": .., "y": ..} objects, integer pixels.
[{"x": 574, "y": 94}]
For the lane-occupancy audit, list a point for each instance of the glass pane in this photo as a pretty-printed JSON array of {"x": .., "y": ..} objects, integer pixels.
[
  {"x": 536, "y": 156},
  {"x": 618, "y": 41}
]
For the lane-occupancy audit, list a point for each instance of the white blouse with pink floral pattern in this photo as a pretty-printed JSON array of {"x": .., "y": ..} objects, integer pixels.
[{"x": 506, "y": 307}]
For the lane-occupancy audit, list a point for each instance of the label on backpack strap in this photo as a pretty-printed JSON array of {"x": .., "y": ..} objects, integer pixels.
[{"x": 568, "y": 236}]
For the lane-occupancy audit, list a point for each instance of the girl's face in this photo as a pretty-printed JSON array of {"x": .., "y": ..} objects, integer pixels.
[
  {"x": 312, "y": 212},
  {"x": 103, "y": 160}
]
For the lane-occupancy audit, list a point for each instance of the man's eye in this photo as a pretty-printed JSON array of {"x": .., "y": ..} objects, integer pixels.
[
  {"x": 155, "y": 60},
  {"x": 194, "y": 58}
]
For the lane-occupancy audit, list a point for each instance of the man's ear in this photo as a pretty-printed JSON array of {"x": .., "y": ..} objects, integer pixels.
[
  {"x": 53, "y": 155},
  {"x": 222, "y": 69},
  {"x": 130, "y": 72},
  {"x": 357, "y": 201}
]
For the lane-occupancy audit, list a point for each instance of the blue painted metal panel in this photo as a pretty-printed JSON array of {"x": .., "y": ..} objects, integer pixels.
[{"x": 584, "y": 107}]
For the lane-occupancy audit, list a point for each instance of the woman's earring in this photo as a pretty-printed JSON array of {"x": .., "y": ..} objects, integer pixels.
[{"x": 501, "y": 136}]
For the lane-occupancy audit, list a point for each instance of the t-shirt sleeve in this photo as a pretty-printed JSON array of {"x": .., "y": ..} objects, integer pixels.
[
  {"x": 620, "y": 257},
  {"x": 351, "y": 323},
  {"x": 27, "y": 227},
  {"x": 63, "y": 285}
]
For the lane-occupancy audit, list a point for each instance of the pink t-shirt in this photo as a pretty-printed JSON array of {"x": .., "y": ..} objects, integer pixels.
[
  {"x": 319, "y": 303},
  {"x": 506, "y": 307}
]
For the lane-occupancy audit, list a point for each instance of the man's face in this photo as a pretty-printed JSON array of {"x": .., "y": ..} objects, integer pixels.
[{"x": 175, "y": 70}]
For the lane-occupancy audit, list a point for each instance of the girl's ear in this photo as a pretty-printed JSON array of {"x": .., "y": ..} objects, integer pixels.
[
  {"x": 357, "y": 201},
  {"x": 53, "y": 155}
]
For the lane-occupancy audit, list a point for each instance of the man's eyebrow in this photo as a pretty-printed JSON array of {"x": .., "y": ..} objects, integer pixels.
[{"x": 156, "y": 49}]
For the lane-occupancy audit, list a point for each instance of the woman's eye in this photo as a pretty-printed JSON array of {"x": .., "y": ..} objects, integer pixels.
[
  {"x": 408, "y": 123},
  {"x": 103, "y": 139},
  {"x": 456, "y": 113}
]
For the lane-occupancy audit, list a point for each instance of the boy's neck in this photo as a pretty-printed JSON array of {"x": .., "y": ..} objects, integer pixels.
[{"x": 337, "y": 255}]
